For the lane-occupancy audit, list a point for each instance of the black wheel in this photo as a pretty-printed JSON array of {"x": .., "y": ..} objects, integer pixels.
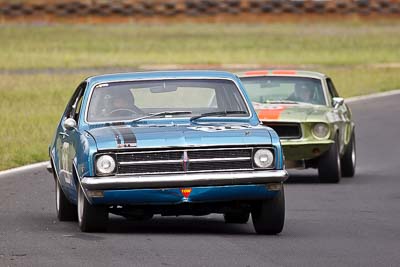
[
  {"x": 237, "y": 217},
  {"x": 329, "y": 170},
  {"x": 269, "y": 215},
  {"x": 66, "y": 211},
  {"x": 348, "y": 160},
  {"x": 91, "y": 218}
]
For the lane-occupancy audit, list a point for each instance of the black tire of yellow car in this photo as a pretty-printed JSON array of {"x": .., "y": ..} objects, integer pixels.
[
  {"x": 91, "y": 218},
  {"x": 66, "y": 211},
  {"x": 329, "y": 170},
  {"x": 237, "y": 217},
  {"x": 348, "y": 161},
  {"x": 269, "y": 215}
]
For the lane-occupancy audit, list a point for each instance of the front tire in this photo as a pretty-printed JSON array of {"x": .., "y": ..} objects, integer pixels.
[
  {"x": 91, "y": 218},
  {"x": 349, "y": 158},
  {"x": 269, "y": 215},
  {"x": 65, "y": 210},
  {"x": 329, "y": 167}
]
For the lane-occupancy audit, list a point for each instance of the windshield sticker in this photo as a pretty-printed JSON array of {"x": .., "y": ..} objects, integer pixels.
[{"x": 102, "y": 85}]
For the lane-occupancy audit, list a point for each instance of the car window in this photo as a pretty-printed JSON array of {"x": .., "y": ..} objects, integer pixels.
[
  {"x": 130, "y": 100},
  {"x": 331, "y": 88},
  {"x": 78, "y": 108},
  {"x": 281, "y": 88},
  {"x": 74, "y": 105}
]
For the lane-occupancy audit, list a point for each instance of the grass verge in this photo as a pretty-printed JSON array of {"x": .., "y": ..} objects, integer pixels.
[
  {"x": 131, "y": 45},
  {"x": 30, "y": 106}
]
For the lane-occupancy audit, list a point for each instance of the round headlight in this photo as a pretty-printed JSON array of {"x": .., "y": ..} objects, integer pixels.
[
  {"x": 105, "y": 165},
  {"x": 263, "y": 158},
  {"x": 320, "y": 130}
]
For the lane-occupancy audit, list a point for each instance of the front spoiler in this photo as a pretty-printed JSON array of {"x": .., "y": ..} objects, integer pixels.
[
  {"x": 304, "y": 149},
  {"x": 184, "y": 180}
]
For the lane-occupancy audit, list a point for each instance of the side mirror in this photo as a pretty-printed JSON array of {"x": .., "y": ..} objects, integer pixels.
[
  {"x": 337, "y": 101},
  {"x": 69, "y": 124}
]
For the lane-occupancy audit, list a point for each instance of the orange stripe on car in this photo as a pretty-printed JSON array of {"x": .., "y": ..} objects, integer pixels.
[
  {"x": 285, "y": 72},
  {"x": 256, "y": 72},
  {"x": 271, "y": 113}
]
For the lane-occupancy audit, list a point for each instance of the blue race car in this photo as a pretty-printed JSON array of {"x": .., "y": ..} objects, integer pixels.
[{"x": 169, "y": 143}]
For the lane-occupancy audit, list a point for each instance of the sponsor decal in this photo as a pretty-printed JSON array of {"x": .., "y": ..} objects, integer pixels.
[
  {"x": 102, "y": 85},
  {"x": 126, "y": 145},
  {"x": 186, "y": 192},
  {"x": 270, "y": 113}
]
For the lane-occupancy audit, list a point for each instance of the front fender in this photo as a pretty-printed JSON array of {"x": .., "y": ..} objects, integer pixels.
[
  {"x": 85, "y": 150},
  {"x": 276, "y": 142},
  {"x": 85, "y": 146}
]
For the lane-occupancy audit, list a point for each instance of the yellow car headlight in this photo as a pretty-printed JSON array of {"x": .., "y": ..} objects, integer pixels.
[{"x": 320, "y": 130}]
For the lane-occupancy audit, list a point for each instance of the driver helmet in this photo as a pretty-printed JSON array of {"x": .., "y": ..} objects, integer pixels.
[
  {"x": 119, "y": 99},
  {"x": 304, "y": 92}
]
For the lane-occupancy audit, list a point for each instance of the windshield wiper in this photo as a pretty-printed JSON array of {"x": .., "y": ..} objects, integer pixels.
[
  {"x": 217, "y": 113},
  {"x": 163, "y": 113}
]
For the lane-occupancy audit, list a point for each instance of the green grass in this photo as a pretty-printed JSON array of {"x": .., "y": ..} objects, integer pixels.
[
  {"x": 362, "y": 81},
  {"x": 31, "y": 104},
  {"x": 72, "y": 46},
  {"x": 30, "y": 107}
]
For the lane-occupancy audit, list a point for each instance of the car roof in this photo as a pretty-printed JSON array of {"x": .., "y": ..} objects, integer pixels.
[
  {"x": 116, "y": 77},
  {"x": 275, "y": 72}
]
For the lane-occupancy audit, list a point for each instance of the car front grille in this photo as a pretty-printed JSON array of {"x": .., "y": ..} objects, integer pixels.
[
  {"x": 286, "y": 130},
  {"x": 185, "y": 160}
]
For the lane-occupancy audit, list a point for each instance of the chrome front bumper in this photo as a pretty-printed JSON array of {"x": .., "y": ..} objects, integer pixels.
[{"x": 184, "y": 180}]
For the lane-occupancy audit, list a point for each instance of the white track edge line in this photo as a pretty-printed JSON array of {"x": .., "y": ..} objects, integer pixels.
[
  {"x": 371, "y": 96},
  {"x": 347, "y": 100},
  {"x": 24, "y": 168}
]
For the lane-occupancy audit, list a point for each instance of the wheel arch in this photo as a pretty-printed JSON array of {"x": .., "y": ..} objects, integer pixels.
[
  {"x": 75, "y": 175},
  {"x": 57, "y": 180}
]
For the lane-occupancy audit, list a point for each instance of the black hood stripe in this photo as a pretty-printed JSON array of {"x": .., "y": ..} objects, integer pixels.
[
  {"x": 128, "y": 135},
  {"x": 117, "y": 135}
]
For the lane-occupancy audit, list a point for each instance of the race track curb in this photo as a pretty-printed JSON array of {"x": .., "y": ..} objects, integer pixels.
[
  {"x": 24, "y": 168},
  {"x": 44, "y": 164},
  {"x": 372, "y": 96}
]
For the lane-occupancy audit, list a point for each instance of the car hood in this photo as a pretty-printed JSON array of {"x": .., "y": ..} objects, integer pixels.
[
  {"x": 125, "y": 136},
  {"x": 290, "y": 112}
]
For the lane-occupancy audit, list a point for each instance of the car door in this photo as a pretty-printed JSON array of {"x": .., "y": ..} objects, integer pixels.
[
  {"x": 343, "y": 114},
  {"x": 66, "y": 142}
]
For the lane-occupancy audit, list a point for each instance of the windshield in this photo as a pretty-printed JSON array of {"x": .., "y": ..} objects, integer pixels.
[
  {"x": 284, "y": 89},
  {"x": 131, "y": 100}
]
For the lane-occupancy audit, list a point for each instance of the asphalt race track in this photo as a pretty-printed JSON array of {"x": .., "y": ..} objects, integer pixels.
[{"x": 354, "y": 223}]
